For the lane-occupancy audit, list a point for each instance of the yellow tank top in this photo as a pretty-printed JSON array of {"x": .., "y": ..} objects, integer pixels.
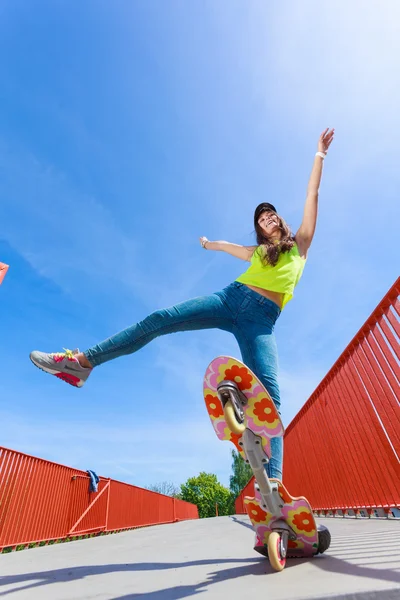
[{"x": 282, "y": 278}]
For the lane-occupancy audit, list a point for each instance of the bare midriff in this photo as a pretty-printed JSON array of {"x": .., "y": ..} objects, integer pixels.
[{"x": 274, "y": 296}]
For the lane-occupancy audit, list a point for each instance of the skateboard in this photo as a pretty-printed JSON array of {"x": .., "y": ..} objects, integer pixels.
[{"x": 242, "y": 411}]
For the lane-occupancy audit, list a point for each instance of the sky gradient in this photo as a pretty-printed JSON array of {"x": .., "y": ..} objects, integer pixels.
[{"x": 129, "y": 130}]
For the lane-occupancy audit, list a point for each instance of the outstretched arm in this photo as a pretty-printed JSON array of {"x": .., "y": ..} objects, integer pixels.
[
  {"x": 243, "y": 252},
  {"x": 306, "y": 231}
]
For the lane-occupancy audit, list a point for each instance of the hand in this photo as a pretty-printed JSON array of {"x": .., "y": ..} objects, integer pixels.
[
  {"x": 325, "y": 140},
  {"x": 203, "y": 241}
]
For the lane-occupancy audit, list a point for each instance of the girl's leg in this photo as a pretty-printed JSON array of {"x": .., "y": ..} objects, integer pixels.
[
  {"x": 254, "y": 331},
  {"x": 259, "y": 353},
  {"x": 204, "y": 312}
]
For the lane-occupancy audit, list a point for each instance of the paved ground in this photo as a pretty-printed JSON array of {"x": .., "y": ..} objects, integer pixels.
[{"x": 211, "y": 558}]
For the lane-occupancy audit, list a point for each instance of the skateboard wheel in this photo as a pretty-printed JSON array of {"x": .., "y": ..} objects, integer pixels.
[
  {"x": 231, "y": 420},
  {"x": 274, "y": 551},
  {"x": 324, "y": 539}
]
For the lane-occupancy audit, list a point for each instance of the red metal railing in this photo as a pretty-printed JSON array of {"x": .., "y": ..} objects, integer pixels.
[
  {"x": 248, "y": 490},
  {"x": 342, "y": 449},
  {"x": 44, "y": 501}
]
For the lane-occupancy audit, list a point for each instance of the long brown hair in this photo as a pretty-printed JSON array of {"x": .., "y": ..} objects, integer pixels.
[{"x": 268, "y": 249}]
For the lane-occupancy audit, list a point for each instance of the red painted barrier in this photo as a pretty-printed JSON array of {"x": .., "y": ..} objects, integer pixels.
[
  {"x": 248, "y": 490},
  {"x": 342, "y": 449},
  {"x": 43, "y": 501}
]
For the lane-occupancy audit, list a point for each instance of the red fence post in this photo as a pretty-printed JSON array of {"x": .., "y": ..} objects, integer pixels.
[{"x": 108, "y": 504}]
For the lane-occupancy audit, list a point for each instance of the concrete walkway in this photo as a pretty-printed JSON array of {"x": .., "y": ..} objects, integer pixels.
[{"x": 212, "y": 558}]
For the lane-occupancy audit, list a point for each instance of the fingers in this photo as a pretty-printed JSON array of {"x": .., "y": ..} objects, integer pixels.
[
  {"x": 325, "y": 139},
  {"x": 329, "y": 138},
  {"x": 323, "y": 134}
]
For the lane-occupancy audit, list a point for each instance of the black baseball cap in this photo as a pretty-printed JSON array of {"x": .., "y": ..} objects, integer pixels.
[{"x": 262, "y": 208}]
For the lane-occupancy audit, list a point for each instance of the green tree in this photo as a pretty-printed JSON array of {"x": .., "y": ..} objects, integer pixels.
[
  {"x": 241, "y": 474},
  {"x": 205, "y": 491}
]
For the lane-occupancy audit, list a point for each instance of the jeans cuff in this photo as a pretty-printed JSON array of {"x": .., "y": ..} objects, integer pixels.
[{"x": 91, "y": 358}]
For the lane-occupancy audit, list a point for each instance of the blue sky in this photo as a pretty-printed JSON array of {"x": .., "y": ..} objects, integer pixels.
[{"x": 128, "y": 130}]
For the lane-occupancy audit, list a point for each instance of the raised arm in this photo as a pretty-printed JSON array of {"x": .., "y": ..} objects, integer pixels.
[
  {"x": 305, "y": 234},
  {"x": 243, "y": 252}
]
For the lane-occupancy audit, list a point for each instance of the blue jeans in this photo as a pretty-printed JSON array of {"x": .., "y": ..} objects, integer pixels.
[{"x": 237, "y": 309}]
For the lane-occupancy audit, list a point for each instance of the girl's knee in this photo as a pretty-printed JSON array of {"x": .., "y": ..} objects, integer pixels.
[{"x": 155, "y": 319}]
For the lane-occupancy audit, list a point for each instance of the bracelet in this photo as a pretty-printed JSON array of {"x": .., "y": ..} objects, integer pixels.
[
  {"x": 204, "y": 244},
  {"x": 321, "y": 154}
]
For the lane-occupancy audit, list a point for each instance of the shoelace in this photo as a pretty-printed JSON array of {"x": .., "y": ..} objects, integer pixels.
[{"x": 66, "y": 354}]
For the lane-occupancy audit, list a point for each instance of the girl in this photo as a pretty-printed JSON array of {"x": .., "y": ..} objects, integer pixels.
[{"x": 248, "y": 307}]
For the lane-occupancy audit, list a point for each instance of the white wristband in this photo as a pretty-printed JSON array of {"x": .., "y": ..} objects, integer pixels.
[{"x": 321, "y": 154}]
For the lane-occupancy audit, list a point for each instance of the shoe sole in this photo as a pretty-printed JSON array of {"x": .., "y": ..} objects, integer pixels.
[{"x": 71, "y": 379}]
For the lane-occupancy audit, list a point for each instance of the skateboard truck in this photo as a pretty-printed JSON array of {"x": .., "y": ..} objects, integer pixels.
[
  {"x": 253, "y": 449},
  {"x": 270, "y": 497},
  {"x": 229, "y": 390}
]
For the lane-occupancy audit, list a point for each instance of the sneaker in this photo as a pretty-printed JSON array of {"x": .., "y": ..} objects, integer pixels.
[{"x": 63, "y": 365}]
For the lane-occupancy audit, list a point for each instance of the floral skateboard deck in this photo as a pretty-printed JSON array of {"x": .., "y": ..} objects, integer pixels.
[
  {"x": 262, "y": 417},
  {"x": 296, "y": 512},
  {"x": 261, "y": 414}
]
